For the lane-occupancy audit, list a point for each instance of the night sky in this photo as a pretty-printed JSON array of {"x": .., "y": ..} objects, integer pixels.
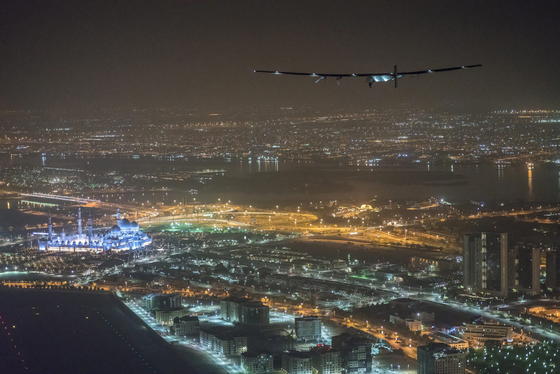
[{"x": 93, "y": 54}]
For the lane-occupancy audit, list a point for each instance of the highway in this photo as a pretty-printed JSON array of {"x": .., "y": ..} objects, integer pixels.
[
  {"x": 461, "y": 307},
  {"x": 493, "y": 315}
]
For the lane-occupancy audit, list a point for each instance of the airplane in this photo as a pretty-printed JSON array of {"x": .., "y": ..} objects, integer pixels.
[{"x": 371, "y": 78}]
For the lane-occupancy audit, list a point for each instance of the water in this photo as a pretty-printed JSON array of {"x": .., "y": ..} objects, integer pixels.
[
  {"x": 32, "y": 276},
  {"x": 288, "y": 182}
]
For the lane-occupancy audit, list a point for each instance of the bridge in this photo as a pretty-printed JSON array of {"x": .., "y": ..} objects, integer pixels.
[{"x": 60, "y": 198}]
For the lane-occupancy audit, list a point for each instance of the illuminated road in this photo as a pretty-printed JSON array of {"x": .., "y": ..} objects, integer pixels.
[
  {"x": 60, "y": 198},
  {"x": 309, "y": 226},
  {"x": 512, "y": 213},
  {"x": 379, "y": 332},
  {"x": 461, "y": 307},
  {"x": 306, "y": 224},
  {"x": 303, "y": 223}
]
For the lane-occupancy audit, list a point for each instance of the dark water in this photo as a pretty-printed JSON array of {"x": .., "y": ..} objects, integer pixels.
[
  {"x": 31, "y": 276},
  {"x": 463, "y": 183},
  {"x": 272, "y": 182}
]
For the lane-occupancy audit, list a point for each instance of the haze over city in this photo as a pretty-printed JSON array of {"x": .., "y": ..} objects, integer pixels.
[
  {"x": 65, "y": 55},
  {"x": 279, "y": 187}
]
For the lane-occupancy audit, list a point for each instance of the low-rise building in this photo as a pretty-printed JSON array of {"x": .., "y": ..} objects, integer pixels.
[
  {"x": 186, "y": 326},
  {"x": 224, "y": 341},
  {"x": 308, "y": 328},
  {"x": 275, "y": 344},
  {"x": 438, "y": 358},
  {"x": 166, "y": 317},
  {"x": 229, "y": 309},
  {"x": 411, "y": 324},
  {"x": 480, "y": 333},
  {"x": 254, "y": 313},
  {"x": 295, "y": 362},
  {"x": 244, "y": 311},
  {"x": 355, "y": 352},
  {"x": 257, "y": 363},
  {"x": 154, "y": 302},
  {"x": 450, "y": 340},
  {"x": 326, "y": 360}
]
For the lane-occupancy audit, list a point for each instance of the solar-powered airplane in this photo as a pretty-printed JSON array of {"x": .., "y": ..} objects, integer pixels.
[{"x": 371, "y": 78}]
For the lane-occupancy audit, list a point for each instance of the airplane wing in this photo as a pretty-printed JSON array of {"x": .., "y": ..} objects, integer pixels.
[
  {"x": 429, "y": 71},
  {"x": 371, "y": 77},
  {"x": 336, "y": 75}
]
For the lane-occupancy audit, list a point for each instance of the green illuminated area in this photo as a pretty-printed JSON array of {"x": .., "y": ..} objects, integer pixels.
[
  {"x": 179, "y": 233},
  {"x": 372, "y": 276},
  {"x": 361, "y": 277},
  {"x": 39, "y": 203},
  {"x": 542, "y": 358},
  {"x": 187, "y": 227}
]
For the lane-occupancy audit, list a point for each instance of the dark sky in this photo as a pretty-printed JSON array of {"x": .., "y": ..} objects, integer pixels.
[{"x": 91, "y": 54}]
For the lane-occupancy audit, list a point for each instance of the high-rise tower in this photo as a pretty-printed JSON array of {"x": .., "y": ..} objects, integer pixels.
[
  {"x": 553, "y": 270},
  {"x": 526, "y": 268},
  {"x": 486, "y": 263}
]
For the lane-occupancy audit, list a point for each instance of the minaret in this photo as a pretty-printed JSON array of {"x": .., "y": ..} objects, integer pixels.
[
  {"x": 90, "y": 227},
  {"x": 80, "y": 221},
  {"x": 50, "y": 228}
]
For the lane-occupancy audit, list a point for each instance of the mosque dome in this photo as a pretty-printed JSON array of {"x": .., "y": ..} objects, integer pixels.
[{"x": 126, "y": 225}]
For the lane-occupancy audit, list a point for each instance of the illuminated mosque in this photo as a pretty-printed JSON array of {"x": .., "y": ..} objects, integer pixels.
[{"x": 123, "y": 236}]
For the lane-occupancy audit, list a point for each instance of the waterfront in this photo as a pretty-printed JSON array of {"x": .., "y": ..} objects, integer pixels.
[
  {"x": 117, "y": 341},
  {"x": 288, "y": 182}
]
